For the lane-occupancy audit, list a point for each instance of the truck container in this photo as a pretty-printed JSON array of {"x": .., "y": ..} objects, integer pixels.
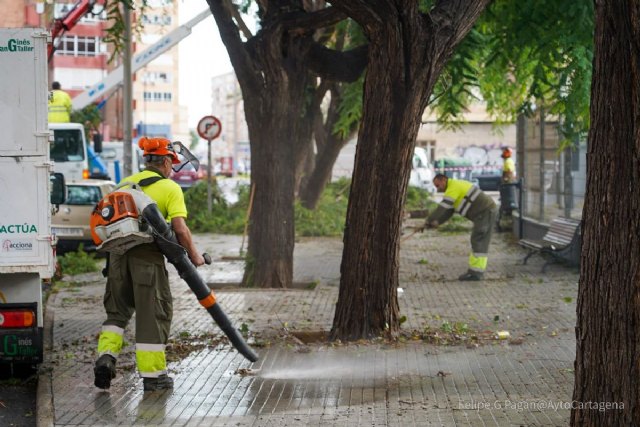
[{"x": 26, "y": 242}]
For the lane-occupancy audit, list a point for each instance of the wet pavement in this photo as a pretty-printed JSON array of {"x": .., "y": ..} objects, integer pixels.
[{"x": 446, "y": 380}]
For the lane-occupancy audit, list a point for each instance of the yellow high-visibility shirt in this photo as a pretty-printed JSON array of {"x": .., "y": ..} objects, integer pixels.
[
  {"x": 166, "y": 193},
  {"x": 59, "y": 107},
  {"x": 509, "y": 165}
]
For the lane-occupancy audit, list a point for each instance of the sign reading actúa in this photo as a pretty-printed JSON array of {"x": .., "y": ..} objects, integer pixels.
[{"x": 209, "y": 127}]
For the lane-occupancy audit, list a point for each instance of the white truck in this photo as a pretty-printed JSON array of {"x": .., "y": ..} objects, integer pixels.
[
  {"x": 26, "y": 242},
  {"x": 69, "y": 150}
]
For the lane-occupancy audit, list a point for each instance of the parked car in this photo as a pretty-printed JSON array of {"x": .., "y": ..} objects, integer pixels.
[
  {"x": 187, "y": 176},
  {"x": 488, "y": 180},
  {"x": 71, "y": 223}
]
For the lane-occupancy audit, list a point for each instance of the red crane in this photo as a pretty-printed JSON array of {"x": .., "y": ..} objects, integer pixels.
[{"x": 61, "y": 25}]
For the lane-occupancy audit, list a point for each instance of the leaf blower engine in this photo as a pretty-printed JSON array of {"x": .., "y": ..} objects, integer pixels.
[{"x": 127, "y": 217}]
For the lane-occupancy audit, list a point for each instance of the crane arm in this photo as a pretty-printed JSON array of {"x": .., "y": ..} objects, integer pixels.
[
  {"x": 115, "y": 77},
  {"x": 60, "y": 25}
]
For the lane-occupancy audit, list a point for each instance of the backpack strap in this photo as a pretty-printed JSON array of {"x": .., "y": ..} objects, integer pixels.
[{"x": 151, "y": 180}]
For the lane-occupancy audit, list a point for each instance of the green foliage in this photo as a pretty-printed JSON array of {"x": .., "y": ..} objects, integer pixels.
[
  {"x": 78, "y": 262},
  {"x": 521, "y": 56},
  {"x": 418, "y": 199},
  {"x": 329, "y": 216},
  {"x": 456, "y": 224},
  {"x": 114, "y": 33},
  {"x": 326, "y": 220},
  {"x": 89, "y": 116},
  {"x": 350, "y": 104},
  {"x": 540, "y": 55},
  {"x": 455, "y": 88},
  {"x": 223, "y": 219},
  {"x": 350, "y": 108}
]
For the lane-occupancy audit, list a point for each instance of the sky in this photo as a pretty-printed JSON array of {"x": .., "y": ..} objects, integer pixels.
[{"x": 202, "y": 55}]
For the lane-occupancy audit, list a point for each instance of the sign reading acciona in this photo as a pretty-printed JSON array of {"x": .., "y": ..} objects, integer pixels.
[{"x": 209, "y": 127}]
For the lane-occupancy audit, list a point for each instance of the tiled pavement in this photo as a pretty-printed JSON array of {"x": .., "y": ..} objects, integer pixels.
[{"x": 526, "y": 380}]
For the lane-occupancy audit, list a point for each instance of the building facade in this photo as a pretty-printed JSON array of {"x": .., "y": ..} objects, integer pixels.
[
  {"x": 81, "y": 60},
  {"x": 227, "y": 105}
]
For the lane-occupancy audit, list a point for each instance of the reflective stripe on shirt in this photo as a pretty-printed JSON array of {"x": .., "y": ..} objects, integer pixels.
[{"x": 468, "y": 200}]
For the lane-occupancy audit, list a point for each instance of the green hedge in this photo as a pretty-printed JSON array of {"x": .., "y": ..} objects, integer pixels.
[{"x": 326, "y": 220}]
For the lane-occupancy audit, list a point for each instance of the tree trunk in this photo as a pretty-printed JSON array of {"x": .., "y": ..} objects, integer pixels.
[
  {"x": 328, "y": 145},
  {"x": 273, "y": 119},
  {"x": 271, "y": 230},
  {"x": 367, "y": 303},
  {"x": 321, "y": 175},
  {"x": 407, "y": 51},
  {"x": 607, "y": 364}
]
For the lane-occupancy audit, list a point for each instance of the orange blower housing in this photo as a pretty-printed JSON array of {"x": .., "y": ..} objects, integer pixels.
[{"x": 116, "y": 224}]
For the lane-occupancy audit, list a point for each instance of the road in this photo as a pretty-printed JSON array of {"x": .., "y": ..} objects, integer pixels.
[{"x": 17, "y": 398}]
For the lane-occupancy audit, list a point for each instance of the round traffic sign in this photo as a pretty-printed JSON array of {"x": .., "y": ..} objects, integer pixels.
[{"x": 209, "y": 127}]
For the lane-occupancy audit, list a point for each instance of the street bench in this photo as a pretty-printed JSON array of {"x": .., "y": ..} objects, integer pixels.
[{"x": 562, "y": 242}]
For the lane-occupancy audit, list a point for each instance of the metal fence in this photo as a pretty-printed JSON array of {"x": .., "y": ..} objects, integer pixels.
[{"x": 554, "y": 179}]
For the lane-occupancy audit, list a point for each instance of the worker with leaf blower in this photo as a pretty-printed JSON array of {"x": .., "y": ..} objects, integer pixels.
[
  {"x": 137, "y": 278},
  {"x": 468, "y": 200}
]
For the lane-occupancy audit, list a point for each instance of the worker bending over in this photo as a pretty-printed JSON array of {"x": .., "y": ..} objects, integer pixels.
[{"x": 468, "y": 200}]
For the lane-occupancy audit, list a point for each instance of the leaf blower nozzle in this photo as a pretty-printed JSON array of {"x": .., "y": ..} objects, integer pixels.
[{"x": 177, "y": 255}]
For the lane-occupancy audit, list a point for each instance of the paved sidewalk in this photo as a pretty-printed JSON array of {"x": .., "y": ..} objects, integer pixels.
[{"x": 526, "y": 380}]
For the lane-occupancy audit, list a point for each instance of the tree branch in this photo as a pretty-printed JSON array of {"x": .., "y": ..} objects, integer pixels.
[
  {"x": 311, "y": 21},
  {"x": 368, "y": 13},
  {"x": 243, "y": 64},
  {"x": 453, "y": 19},
  {"x": 337, "y": 66},
  {"x": 240, "y": 22}
]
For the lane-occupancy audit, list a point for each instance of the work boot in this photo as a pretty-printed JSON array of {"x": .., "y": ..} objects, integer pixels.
[
  {"x": 471, "y": 275},
  {"x": 104, "y": 371},
  {"x": 161, "y": 383}
]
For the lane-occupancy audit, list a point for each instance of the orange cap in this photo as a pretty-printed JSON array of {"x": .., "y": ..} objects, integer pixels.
[
  {"x": 506, "y": 152},
  {"x": 158, "y": 147}
]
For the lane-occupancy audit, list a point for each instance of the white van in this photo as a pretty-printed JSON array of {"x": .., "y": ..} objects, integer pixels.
[{"x": 422, "y": 171}]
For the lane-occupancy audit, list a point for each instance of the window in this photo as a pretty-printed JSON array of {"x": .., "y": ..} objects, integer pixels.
[
  {"x": 61, "y": 10},
  {"x": 82, "y": 195},
  {"x": 79, "y": 46},
  {"x": 156, "y": 77},
  {"x": 157, "y": 96},
  {"x": 67, "y": 146},
  {"x": 156, "y": 19}
]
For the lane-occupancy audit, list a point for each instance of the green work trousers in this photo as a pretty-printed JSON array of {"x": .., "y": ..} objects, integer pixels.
[
  {"x": 481, "y": 238},
  {"x": 138, "y": 282}
]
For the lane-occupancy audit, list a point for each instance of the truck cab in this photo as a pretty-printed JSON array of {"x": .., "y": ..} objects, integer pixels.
[{"x": 68, "y": 150}]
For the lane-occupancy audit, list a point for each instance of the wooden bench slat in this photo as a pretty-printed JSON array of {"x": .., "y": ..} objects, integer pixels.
[{"x": 562, "y": 240}]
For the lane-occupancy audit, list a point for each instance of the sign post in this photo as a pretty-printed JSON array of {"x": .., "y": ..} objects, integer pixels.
[{"x": 209, "y": 128}]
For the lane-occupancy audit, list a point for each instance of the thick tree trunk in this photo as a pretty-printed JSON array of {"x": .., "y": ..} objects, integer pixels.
[
  {"x": 275, "y": 132},
  {"x": 407, "y": 51},
  {"x": 607, "y": 368},
  {"x": 367, "y": 304},
  {"x": 271, "y": 230}
]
